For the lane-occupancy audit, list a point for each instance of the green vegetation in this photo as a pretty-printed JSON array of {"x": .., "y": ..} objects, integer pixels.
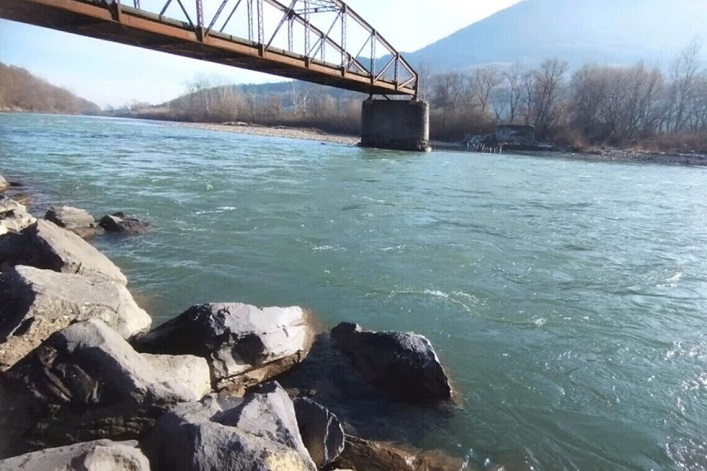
[{"x": 22, "y": 91}]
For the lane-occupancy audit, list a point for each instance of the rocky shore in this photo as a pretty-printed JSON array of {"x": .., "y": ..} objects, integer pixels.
[{"x": 87, "y": 383}]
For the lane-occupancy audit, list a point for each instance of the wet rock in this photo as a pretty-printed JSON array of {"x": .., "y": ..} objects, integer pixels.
[
  {"x": 78, "y": 221},
  {"x": 90, "y": 364},
  {"x": 403, "y": 364},
  {"x": 365, "y": 455},
  {"x": 64, "y": 251},
  {"x": 243, "y": 344},
  {"x": 14, "y": 217},
  {"x": 35, "y": 303},
  {"x": 98, "y": 455},
  {"x": 119, "y": 223},
  {"x": 190, "y": 371},
  {"x": 321, "y": 431},
  {"x": 257, "y": 434}
]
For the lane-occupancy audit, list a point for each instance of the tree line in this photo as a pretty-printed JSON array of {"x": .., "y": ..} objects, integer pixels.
[
  {"x": 594, "y": 105},
  {"x": 22, "y": 91}
]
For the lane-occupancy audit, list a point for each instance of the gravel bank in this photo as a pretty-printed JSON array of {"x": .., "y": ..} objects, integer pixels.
[{"x": 277, "y": 131}]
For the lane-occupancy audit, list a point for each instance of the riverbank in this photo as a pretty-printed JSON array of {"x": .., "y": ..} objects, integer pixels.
[
  {"x": 593, "y": 154},
  {"x": 309, "y": 134},
  {"x": 696, "y": 159}
]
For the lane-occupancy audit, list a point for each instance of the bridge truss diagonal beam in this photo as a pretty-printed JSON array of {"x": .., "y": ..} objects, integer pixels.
[{"x": 320, "y": 41}]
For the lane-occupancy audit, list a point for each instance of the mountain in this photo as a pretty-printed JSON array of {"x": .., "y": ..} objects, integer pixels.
[
  {"x": 22, "y": 91},
  {"x": 616, "y": 32}
]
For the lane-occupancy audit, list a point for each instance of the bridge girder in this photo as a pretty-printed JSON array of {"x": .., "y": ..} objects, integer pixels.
[{"x": 324, "y": 30}]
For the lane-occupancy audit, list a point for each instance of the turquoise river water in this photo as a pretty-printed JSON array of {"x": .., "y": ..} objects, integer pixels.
[{"x": 566, "y": 298}]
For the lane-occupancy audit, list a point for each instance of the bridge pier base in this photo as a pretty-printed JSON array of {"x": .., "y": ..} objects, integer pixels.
[{"x": 396, "y": 124}]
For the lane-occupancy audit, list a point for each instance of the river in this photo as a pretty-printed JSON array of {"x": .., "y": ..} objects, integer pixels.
[{"x": 566, "y": 298}]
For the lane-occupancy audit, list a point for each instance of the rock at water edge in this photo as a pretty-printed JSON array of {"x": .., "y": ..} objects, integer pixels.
[
  {"x": 244, "y": 344},
  {"x": 64, "y": 251},
  {"x": 77, "y": 220},
  {"x": 403, "y": 364},
  {"x": 321, "y": 431},
  {"x": 119, "y": 223},
  {"x": 259, "y": 434}
]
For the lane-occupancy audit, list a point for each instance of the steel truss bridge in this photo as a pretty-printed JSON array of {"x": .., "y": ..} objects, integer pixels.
[{"x": 320, "y": 41}]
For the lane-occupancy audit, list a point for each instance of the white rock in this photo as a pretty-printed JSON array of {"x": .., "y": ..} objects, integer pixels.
[
  {"x": 100, "y": 455},
  {"x": 189, "y": 370}
]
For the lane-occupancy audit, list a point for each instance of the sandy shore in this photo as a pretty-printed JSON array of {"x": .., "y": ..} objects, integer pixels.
[{"x": 277, "y": 131}]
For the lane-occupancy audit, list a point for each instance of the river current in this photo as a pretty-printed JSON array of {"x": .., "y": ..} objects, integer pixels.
[{"x": 567, "y": 299}]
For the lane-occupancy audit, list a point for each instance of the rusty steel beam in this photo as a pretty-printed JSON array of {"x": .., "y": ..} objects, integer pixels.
[{"x": 110, "y": 20}]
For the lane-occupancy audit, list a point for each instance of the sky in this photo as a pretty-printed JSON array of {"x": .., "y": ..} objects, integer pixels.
[{"x": 111, "y": 74}]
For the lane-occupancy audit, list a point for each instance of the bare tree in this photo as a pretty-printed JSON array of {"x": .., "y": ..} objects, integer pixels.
[
  {"x": 484, "y": 82},
  {"x": 684, "y": 80},
  {"x": 549, "y": 87}
]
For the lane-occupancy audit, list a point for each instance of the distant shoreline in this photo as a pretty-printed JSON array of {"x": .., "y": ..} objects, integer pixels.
[
  {"x": 602, "y": 155},
  {"x": 309, "y": 134}
]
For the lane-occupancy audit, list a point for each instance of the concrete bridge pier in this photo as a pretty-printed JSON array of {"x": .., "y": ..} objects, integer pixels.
[{"x": 396, "y": 124}]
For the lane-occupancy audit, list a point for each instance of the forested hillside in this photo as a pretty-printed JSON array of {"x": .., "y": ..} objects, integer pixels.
[{"x": 22, "y": 91}]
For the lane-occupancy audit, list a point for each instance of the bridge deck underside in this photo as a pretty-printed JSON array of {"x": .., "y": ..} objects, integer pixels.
[{"x": 137, "y": 28}]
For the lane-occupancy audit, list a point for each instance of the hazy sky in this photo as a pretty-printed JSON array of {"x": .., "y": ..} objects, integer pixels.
[{"x": 113, "y": 74}]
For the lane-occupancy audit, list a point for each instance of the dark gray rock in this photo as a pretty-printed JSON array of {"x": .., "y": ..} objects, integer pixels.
[
  {"x": 258, "y": 434},
  {"x": 119, "y": 223},
  {"x": 90, "y": 364},
  {"x": 66, "y": 252},
  {"x": 78, "y": 221},
  {"x": 35, "y": 303},
  {"x": 17, "y": 249},
  {"x": 321, "y": 431},
  {"x": 244, "y": 345},
  {"x": 403, "y": 364},
  {"x": 100, "y": 455}
]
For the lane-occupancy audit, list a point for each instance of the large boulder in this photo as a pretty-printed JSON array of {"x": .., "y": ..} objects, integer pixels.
[
  {"x": 90, "y": 364},
  {"x": 245, "y": 345},
  {"x": 85, "y": 383},
  {"x": 14, "y": 217},
  {"x": 403, "y": 364},
  {"x": 35, "y": 303},
  {"x": 259, "y": 434},
  {"x": 99, "y": 455},
  {"x": 78, "y": 221},
  {"x": 64, "y": 251},
  {"x": 321, "y": 431},
  {"x": 119, "y": 223}
]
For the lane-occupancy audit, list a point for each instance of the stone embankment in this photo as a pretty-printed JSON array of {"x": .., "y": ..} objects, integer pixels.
[{"x": 86, "y": 383}]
